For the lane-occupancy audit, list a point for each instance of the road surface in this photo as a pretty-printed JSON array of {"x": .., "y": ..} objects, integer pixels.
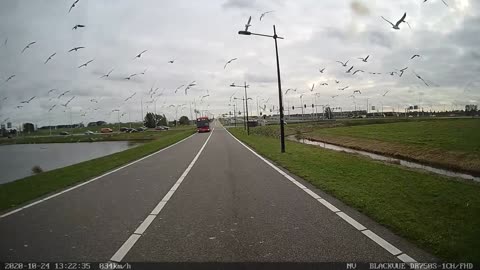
[{"x": 206, "y": 199}]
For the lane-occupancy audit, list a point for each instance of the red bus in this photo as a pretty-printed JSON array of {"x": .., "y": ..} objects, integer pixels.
[{"x": 203, "y": 124}]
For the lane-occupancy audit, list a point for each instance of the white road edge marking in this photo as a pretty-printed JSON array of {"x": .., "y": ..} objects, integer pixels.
[
  {"x": 125, "y": 248},
  {"x": 374, "y": 237},
  {"x": 89, "y": 181}
]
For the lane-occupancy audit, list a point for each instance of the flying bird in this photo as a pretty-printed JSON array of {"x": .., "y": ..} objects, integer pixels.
[
  {"x": 129, "y": 77},
  {"x": 192, "y": 84},
  {"x": 358, "y": 70},
  {"x": 445, "y": 3},
  {"x": 51, "y": 90},
  {"x": 343, "y": 64},
  {"x": 5, "y": 42},
  {"x": 401, "y": 71},
  {"x": 93, "y": 100},
  {"x": 84, "y": 65},
  {"x": 228, "y": 62},
  {"x": 393, "y": 72},
  {"x": 415, "y": 55},
  {"x": 108, "y": 74},
  {"x": 51, "y": 108},
  {"x": 144, "y": 71},
  {"x": 171, "y": 61},
  {"x": 50, "y": 57},
  {"x": 179, "y": 87},
  {"x": 63, "y": 94},
  {"x": 418, "y": 76},
  {"x": 324, "y": 83},
  {"x": 130, "y": 96},
  {"x": 140, "y": 54},
  {"x": 28, "y": 101},
  {"x": 76, "y": 49},
  {"x": 68, "y": 102},
  {"x": 341, "y": 89},
  {"x": 357, "y": 91},
  {"x": 19, "y": 106},
  {"x": 248, "y": 23},
  {"x": 321, "y": 70},
  {"x": 396, "y": 26},
  {"x": 290, "y": 89},
  {"x": 337, "y": 81},
  {"x": 186, "y": 89},
  {"x": 9, "y": 78},
  {"x": 73, "y": 5},
  {"x": 334, "y": 96},
  {"x": 28, "y": 46},
  {"x": 364, "y": 59},
  {"x": 263, "y": 14},
  {"x": 313, "y": 86},
  {"x": 78, "y": 26},
  {"x": 350, "y": 69},
  {"x": 385, "y": 93},
  {"x": 204, "y": 96}
]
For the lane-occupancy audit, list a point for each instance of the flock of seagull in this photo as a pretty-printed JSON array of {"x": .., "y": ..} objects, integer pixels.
[{"x": 155, "y": 94}]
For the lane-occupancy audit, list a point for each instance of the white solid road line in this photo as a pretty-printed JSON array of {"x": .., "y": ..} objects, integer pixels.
[
  {"x": 89, "y": 181},
  {"x": 374, "y": 237},
  {"x": 125, "y": 248}
]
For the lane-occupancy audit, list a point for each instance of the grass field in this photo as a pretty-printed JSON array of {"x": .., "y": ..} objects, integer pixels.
[
  {"x": 21, "y": 191},
  {"x": 449, "y": 143},
  {"x": 437, "y": 213}
]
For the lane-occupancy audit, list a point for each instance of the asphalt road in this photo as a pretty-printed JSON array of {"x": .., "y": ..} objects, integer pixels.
[{"x": 205, "y": 199}]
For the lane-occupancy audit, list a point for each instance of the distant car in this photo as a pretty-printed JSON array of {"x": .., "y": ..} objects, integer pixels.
[
  {"x": 131, "y": 130},
  {"x": 106, "y": 130},
  {"x": 64, "y": 133},
  {"x": 89, "y": 132},
  {"x": 124, "y": 129},
  {"x": 140, "y": 129},
  {"x": 162, "y": 128}
]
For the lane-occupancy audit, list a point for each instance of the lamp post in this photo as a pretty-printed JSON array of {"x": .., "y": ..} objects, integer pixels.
[
  {"x": 245, "y": 86},
  {"x": 280, "y": 101}
]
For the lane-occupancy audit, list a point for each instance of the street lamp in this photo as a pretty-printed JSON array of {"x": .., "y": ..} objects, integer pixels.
[
  {"x": 245, "y": 86},
  {"x": 275, "y": 37}
]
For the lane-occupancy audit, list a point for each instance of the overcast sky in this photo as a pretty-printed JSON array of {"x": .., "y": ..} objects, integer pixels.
[{"x": 200, "y": 36}]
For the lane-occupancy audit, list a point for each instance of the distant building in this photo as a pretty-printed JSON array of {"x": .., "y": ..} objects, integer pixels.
[{"x": 9, "y": 125}]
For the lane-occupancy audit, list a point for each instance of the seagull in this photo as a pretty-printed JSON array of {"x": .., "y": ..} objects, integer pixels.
[
  {"x": 51, "y": 90},
  {"x": 76, "y": 49},
  {"x": 129, "y": 77},
  {"x": 5, "y": 42},
  {"x": 62, "y": 94},
  {"x": 343, "y": 64},
  {"x": 66, "y": 104},
  {"x": 18, "y": 107},
  {"x": 324, "y": 83},
  {"x": 290, "y": 89},
  {"x": 77, "y": 26},
  {"x": 108, "y": 74},
  {"x": 186, "y": 89},
  {"x": 51, "y": 108},
  {"x": 415, "y": 55},
  {"x": 358, "y": 70},
  {"x": 192, "y": 84},
  {"x": 341, "y": 89},
  {"x": 73, "y": 5},
  {"x": 445, "y": 3},
  {"x": 204, "y": 97},
  {"x": 385, "y": 93},
  {"x": 401, "y": 71},
  {"x": 93, "y": 100},
  {"x": 171, "y": 61},
  {"x": 263, "y": 14},
  {"x": 337, "y": 81},
  {"x": 350, "y": 69},
  {"x": 375, "y": 73},
  {"x": 9, "y": 78},
  {"x": 418, "y": 76},
  {"x": 140, "y": 54},
  {"x": 334, "y": 96},
  {"x": 395, "y": 26},
  {"x": 228, "y": 62},
  {"x": 179, "y": 87},
  {"x": 357, "y": 91},
  {"x": 364, "y": 59},
  {"x": 28, "y": 101},
  {"x": 143, "y": 73},
  {"x": 321, "y": 70},
  {"x": 130, "y": 96},
  {"x": 248, "y": 23},
  {"x": 50, "y": 57},
  {"x": 393, "y": 72},
  {"x": 84, "y": 65},
  {"x": 313, "y": 86},
  {"x": 28, "y": 46}
]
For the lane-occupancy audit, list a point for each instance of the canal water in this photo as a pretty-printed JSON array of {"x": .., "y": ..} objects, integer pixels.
[
  {"x": 17, "y": 160},
  {"x": 401, "y": 162}
]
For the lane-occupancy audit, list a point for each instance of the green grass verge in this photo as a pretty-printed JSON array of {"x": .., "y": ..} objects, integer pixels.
[
  {"x": 23, "y": 190},
  {"x": 439, "y": 214},
  {"x": 450, "y": 134}
]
